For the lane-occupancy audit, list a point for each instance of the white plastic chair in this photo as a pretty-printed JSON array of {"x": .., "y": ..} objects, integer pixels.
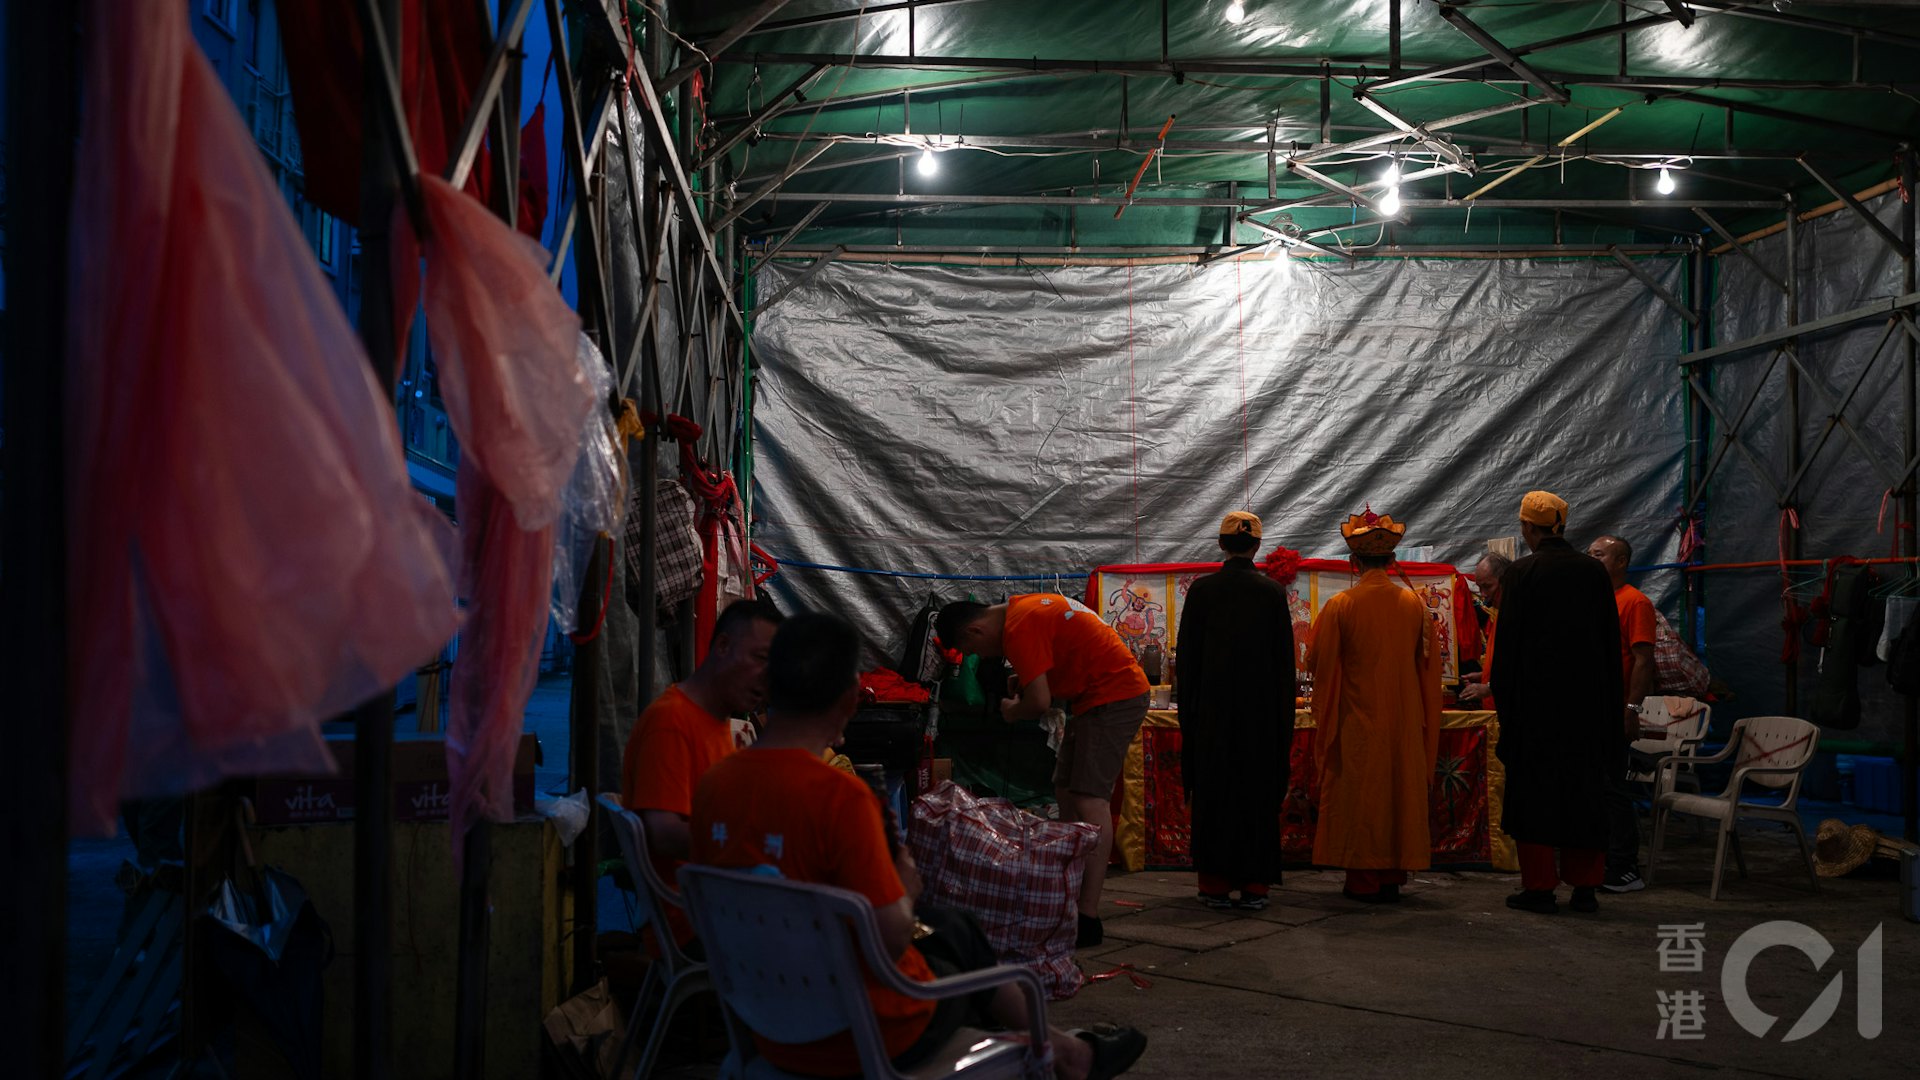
[
  {"x": 1682, "y": 734},
  {"x": 676, "y": 975},
  {"x": 1771, "y": 751},
  {"x": 787, "y": 960}
]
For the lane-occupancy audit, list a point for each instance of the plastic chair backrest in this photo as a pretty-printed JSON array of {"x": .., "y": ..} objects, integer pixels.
[
  {"x": 782, "y": 959},
  {"x": 1690, "y": 726},
  {"x": 655, "y": 894},
  {"x": 1776, "y": 742}
]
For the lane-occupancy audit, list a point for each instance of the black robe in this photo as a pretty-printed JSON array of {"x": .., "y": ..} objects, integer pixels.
[
  {"x": 1558, "y": 684},
  {"x": 1236, "y": 675}
]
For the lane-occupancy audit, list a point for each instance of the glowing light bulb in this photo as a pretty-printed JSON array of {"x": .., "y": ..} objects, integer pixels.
[
  {"x": 1390, "y": 202},
  {"x": 1236, "y": 13},
  {"x": 927, "y": 165},
  {"x": 1665, "y": 184},
  {"x": 1392, "y": 175}
]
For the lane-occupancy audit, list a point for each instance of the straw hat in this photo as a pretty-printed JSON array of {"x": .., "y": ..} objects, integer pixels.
[{"x": 1839, "y": 848}]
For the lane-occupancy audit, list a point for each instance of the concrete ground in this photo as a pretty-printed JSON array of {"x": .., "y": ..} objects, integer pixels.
[{"x": 1450, "y": 982}]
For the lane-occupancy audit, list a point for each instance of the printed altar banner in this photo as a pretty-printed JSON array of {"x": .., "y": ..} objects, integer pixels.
[
  {"x": 1151, "y": 830},
  {"x": 1143, "y": 604}
]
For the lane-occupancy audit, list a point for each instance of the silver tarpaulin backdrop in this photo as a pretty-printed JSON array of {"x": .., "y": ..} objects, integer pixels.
[
  {"x": 1841, "y": 265},
  {"x": 1033, "y": 422}
]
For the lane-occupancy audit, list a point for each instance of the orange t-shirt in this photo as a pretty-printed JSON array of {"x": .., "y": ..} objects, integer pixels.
[
  {"x": 673, "y": 744},
  {"x": 1636, "y": 628},
  {"x": 1084, "y": 660},
  {"x": 789, "y": 810}
]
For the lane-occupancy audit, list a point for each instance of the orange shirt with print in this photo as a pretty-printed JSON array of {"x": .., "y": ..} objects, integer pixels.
[
  {"x": 673, "y": 745},
  {"x": 814, "y": 823},
  {"x": 1636, "y": 626},
  {"x": 1084, "y": 660}
]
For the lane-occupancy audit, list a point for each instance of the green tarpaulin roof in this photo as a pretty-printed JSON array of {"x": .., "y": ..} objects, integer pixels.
[{"x": 1027, "y": 98}]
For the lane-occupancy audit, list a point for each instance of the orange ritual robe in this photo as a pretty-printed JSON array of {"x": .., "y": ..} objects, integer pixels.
[{"x": 1376, "y": 713}]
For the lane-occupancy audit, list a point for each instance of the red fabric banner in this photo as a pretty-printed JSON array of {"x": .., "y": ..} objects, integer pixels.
[{"x": 1458, "y": 810}]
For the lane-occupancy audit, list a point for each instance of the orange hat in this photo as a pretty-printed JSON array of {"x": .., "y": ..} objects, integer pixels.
[
  {"x": 1372, "y": 534},
  {"x": 1545, "y": 509},
  {"x": 1240, "y": 523}
]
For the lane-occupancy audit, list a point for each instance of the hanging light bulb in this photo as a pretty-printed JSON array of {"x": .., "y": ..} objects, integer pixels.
[
  {"x": 927, "y": 165},
  {"x": 1236, "y": 13},
  {"x": 1665, "y": 185},
  {"x": 1390, "y": 202}
]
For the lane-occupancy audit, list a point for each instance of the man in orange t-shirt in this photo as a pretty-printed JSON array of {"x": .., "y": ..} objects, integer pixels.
[
  {"x": 1637, "y": 671},
  {"x": 686, "y": 730},
  {"x": 777, "y": 804},
  {"x": 1064, "y": 654}
]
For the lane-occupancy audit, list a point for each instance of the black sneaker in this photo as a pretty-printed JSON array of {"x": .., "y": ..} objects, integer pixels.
[
  {"x": 1538, "y": 901},
  {"x": 1391, "y": 892},
  {"x": 1217, "y": 901},
  {"x": 1092, "y": 932},
  {"x": 1380, "y": 897},
  {"x": 1251, "y": 902},
  {"x": 1624, "y": 881},
  {"x": 1583, "y": 901},
  {"x": 1115, "y": 1049}
]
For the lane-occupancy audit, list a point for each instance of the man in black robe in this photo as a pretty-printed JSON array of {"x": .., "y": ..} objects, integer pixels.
[
  {"x": 1234, "y": 660},
  {"x": 1558, "y": 687}
]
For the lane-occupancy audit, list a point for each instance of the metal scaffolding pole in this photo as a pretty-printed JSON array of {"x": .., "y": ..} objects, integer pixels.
[
  {"x": 1910, "y": 742},
  {"x": 1698, "y": 332},
  {"x": 42, "y": 73},
  {"x": 1791, "y": 287},
  {"x": 380, "y": 170}
]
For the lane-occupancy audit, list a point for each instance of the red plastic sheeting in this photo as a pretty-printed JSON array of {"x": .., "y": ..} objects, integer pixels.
[
  {"x": 507, "y": 346},
  {"x": 248, "y": 557}
]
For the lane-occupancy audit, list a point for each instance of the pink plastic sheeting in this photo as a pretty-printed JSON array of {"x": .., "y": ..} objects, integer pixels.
[
  {"x": 505, "y": 339},
  {"x": 506, "y": 342},
  {"x": 248, "y": 557},
  {"x": 506, "y": 574}
]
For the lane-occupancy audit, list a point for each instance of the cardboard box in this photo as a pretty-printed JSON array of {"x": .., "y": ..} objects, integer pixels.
[{"x": 421, "y": 791}]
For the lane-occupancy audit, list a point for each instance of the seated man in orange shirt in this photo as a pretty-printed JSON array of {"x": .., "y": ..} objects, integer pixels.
[
  {"x": 686, "y": 730},
  {"x": 777, "y": 804},
  {"x": 1063, "y": 654}
]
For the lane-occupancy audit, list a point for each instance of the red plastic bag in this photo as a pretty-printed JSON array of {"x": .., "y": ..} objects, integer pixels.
[
  {"x": 248, "y": 555},
  {"x": 507, "y": 345}
]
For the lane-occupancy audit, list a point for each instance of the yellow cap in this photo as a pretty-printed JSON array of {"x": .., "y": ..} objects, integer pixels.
[
  {"x": 1240, "y": 523},
  {"x": 1545, "y": 509}
]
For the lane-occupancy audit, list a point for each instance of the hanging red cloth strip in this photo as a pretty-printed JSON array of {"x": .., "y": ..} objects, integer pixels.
[
  {"x": 718, "y": 525},
  {"x": 1793, "y": 614},
  {"x": 442, "y": 54}
]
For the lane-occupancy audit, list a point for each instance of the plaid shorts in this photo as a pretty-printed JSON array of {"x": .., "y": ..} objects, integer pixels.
[{"x": 1094, "y": 748}]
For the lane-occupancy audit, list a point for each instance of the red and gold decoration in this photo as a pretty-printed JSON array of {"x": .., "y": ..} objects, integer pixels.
[{"x": 1151, "y": 830}]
